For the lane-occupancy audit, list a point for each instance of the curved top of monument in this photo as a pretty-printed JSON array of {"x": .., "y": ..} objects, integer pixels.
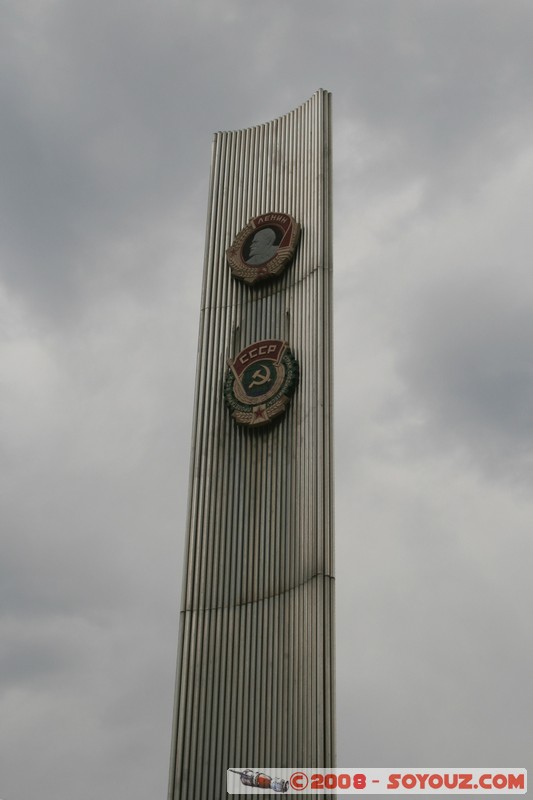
[
  {"x": 279, "y": 167},
  {"x": 319, "y": 92}
]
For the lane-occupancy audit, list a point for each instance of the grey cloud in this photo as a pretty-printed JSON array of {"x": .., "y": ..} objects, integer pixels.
[
  {"x": 98, "y": 137},
  {"x": 469, "y": 364}
]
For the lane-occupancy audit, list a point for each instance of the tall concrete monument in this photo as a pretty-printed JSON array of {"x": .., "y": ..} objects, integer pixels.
[{"x": 255, "y": 674}]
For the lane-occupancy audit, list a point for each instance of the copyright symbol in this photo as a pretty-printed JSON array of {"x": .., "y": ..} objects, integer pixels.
[{"x": 299, "y": 781}]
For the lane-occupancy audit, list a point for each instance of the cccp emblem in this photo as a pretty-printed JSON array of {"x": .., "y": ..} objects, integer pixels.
[
  {"x": 260, "y": 382},
  {"x": 264, "y": 247}
]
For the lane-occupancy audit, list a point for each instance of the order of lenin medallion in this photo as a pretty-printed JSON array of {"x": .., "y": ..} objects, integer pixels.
[
  {"x": 260, "y": 382},
  {"x": 264, "y": 247}
]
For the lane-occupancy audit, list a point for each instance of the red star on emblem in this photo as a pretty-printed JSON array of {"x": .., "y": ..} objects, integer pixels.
[{"x": 259, "y": 413}]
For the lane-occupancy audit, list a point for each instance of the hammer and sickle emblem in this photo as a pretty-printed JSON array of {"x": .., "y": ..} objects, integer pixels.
[{"x": 259, "y": 378}]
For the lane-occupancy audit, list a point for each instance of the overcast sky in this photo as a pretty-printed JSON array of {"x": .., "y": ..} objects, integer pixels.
[{"x": 107, "y": 111}]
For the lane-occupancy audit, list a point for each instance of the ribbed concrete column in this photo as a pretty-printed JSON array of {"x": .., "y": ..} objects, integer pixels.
[{"x": 255, "y": 676}]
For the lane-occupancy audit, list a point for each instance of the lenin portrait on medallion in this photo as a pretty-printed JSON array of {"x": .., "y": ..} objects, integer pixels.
[{"x": 264, "y": 247}]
